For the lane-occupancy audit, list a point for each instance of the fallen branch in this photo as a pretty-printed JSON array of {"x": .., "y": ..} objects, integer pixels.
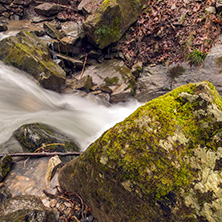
[
  {"x": 41, "y": 154},
  {"x": 84, "y": 64}
]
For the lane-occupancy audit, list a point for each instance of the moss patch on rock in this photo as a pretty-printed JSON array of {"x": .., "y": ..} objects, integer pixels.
[
  {"x": 111, "y": 19},
  {"x": 27, "y": 52},
  {"x": 156, "y": 162}
]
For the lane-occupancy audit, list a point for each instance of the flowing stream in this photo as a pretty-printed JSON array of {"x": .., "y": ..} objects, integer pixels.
[{"x": 23, "y": 101}]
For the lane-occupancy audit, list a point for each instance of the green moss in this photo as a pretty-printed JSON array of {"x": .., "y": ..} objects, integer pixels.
[
  {"x": 196, "y": 57},
  {"x": 138, "y": 147},
  {"x": 111, "y": 81}
]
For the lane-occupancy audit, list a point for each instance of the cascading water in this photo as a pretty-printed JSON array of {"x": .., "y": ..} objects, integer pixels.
[{"x": 23, "y": 101}]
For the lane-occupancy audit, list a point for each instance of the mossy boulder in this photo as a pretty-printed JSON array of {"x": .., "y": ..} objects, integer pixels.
[
  {"x": 110, "y": 20},
  {"x": 29, "y": 53},
  {"x": 162, "y": 163}
]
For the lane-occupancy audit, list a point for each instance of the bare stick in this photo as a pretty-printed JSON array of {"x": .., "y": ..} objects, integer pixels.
[
  {"x": 41, "y": 154},
  {"x": 84, "y": 64}
]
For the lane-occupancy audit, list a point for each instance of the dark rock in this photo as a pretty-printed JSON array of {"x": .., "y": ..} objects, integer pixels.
[
  {"x": 94, "y": 54},
  {"x": 47, "y": 9},
  {"x": 27, "y": 52},
  {"x": 68, "y": 46},
  {"x": 85, "y": 83},
  {"x": 70, "y": 62},
  {"x": 105, "y": 89},
  {"x": 34, "y": 136},
  {"x": 219, "y": 5},
  {"x": 4, "y": 194},
  {"x": 158, "y": 164},
  {"x": 51, "y": 31},
  {"x": 5, "y": 166},
  {"x": 3, "y": 27},
  {"x": 25, "y": 208}
]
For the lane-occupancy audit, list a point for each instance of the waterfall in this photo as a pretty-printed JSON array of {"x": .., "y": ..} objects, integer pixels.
[{"x": 22, "y": 101}]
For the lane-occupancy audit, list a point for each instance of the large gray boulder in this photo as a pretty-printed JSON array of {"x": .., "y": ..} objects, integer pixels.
[
  {"x": 162, "y": 163},
  {"x": 158, "y": 80},
  {"x": 110, "y": 20},
  {"x": 29, "y": 53}
]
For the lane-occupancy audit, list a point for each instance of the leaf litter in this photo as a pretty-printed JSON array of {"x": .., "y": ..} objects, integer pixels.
[{"x": 167, "y": 31}]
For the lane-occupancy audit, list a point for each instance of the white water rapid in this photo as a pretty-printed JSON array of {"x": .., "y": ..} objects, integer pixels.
[{"x": 23, "y": 101}]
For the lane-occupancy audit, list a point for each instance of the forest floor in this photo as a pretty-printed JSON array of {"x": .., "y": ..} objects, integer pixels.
[{"x": 172, "y": 31}]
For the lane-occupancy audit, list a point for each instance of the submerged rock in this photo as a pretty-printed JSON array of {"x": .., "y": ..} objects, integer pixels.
[
  {"x": 27, "y": 52},
  {"x": 110, "y": 19},
  {"x": 25, "y": 208},
  {"x": 162, "y": 163}
]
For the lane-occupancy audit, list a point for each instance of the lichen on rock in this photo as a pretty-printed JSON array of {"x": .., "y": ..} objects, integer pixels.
[{"x": 162, "y": 163}]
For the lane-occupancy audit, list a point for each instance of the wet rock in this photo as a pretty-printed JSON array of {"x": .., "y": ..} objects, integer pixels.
[
  {"x": 70, "y": 62},
  {"x": 68, "y": 46},
  {"x": 165, "y": 159},
  {"x": 29, "y": 53},
  {"x": 25, "y": 208},
  {"x": 4, "y": 193},
  {"x": 5, "y": 166},
  {"x": 53, "y": 164},
  {"x": 85, "y": 83},
  {"x": 51, "y": 31},
  {"x": 34, "y": 136},
  {"x": 32, "y": 176},
  {"x": 115, "y": 75},
  {"x": 110, "y": 20},
  {"x": 47, "y": 9},
  {"x": 3, "y": 27}
]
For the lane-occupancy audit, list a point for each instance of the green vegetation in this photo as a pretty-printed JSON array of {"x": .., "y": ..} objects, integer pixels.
[
  {"x": 196, "y": 57},
  {"x": 112, "y": 81}
]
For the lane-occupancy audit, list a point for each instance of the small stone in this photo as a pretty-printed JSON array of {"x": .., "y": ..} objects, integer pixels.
[
  {"x": 52, "y": 31},
  {"x": 47, "y": 9},
  {"x": 3, "y": 27},
  {"x": 53, "y": 203}
]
